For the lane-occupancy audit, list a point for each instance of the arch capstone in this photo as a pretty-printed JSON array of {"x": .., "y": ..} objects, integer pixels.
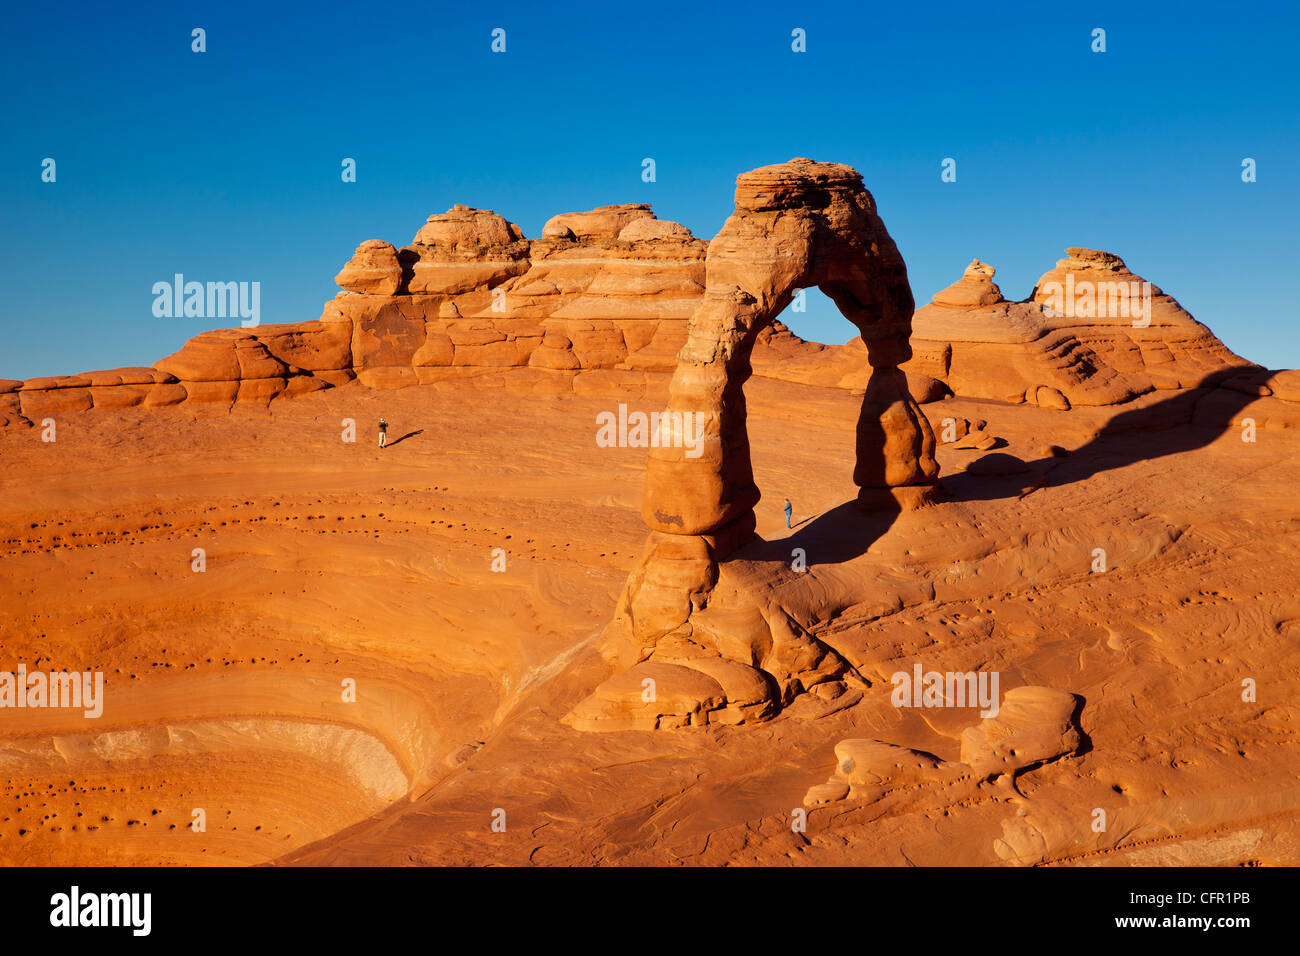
[{"x": 710, "y": 639}]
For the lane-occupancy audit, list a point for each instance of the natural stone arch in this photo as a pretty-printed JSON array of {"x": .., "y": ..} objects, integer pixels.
[
  {"x": 796, "y": 225},
  {"x": 734, "y": 654}
]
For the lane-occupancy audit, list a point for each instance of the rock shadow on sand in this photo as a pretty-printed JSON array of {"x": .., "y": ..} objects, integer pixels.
[{"x": 1168, "y": 427}]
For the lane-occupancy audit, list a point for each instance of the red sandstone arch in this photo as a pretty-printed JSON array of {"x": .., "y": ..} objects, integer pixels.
[
  {"x": 795, "y": 225},
  {"x": 738, "y": 655}
]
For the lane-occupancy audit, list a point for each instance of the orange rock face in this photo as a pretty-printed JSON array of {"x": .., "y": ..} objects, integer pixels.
[
  {"x": 597, "y": 291},
  {"x": 1092, "y": 333}
]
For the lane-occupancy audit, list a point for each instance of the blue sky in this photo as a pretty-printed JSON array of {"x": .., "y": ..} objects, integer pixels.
[{"x": 225, "y": 165}]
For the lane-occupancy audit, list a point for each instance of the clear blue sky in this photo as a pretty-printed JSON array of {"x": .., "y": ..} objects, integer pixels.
[{"x": 225, "y": 165}]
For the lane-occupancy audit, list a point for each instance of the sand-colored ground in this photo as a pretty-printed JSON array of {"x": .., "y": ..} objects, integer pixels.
[{"x": 328, "y": 561}]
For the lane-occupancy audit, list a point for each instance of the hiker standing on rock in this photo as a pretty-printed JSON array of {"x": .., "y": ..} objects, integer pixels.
[
  {"x": 383, "y": 433},
  {"x": 788, "y": 510}
]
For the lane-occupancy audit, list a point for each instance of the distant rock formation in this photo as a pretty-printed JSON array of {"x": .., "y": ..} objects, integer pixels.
[
  {"x": 600, "y": 289},
  {"x": 610, "y": 291},
  {"x": 1091, "y": 333},
  {"x": 610, "y": 288}
]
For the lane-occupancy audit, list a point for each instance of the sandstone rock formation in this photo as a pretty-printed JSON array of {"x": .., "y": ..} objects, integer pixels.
[
  {"x": 1129, "y": 323},
  {"x": 473, "y": 294},
  {"x": 607, "y": 297},
  {"x": 372, "y": 270},
  {"x": 795, "y": 225},
  {"x": 1035, "y": 725},
  {"x": 1091, "y": 333},
  {"x": 226, "y": 684},
  {"x": 601, "y": 301},
  {"x": 865, "y": 769},
  {"x": 607, "y": 289}
]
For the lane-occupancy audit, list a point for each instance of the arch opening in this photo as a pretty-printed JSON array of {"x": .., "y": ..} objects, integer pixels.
[{"x": 814, "y": 318}]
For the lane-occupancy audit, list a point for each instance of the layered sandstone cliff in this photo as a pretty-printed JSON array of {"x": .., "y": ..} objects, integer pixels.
[
  {"x": 612, "y": 288},
  {"x": 599, "y": 289},
  {"x": 608, "y": 288}
]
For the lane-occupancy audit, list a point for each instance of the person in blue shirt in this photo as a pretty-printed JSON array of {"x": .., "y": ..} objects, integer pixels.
[{"x": 788, "y": 510}]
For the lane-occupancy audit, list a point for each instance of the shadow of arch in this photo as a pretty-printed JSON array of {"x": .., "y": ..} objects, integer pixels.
[
  {"x": 1168, "y": 427},
  {"x": 832, "y": 537}
]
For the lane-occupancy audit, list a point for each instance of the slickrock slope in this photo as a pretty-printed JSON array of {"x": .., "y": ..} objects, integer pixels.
[{"x": 328, "y": 560}]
